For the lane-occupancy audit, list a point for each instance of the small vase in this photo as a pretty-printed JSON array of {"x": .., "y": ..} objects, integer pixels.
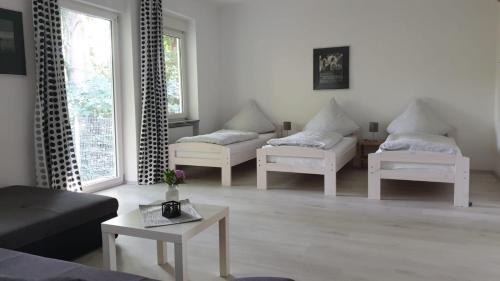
[{"x": 172, "y": 193}]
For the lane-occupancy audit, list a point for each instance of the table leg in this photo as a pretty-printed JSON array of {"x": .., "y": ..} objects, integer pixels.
[
  {"x": 108, "y": 251},
  {"x": 224, "y": 247},
  {"x": 180, "y": 261},
  {"x": 161, "y": 252}
]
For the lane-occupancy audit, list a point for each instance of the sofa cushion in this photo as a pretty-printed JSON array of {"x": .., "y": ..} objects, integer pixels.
[
  {"x": 20, "y": 266},
  {"x": 29, "y": 214}
]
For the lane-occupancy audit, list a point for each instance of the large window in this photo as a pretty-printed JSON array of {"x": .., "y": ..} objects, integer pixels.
[
  {"x": 173, "y": 41},
  {"x": 87, "y": 37}
]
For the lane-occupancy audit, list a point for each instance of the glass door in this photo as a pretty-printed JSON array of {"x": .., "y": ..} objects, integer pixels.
[{"x": 90, "y": 83}]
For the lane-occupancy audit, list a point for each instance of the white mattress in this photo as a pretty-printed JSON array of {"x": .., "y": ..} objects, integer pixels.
[
  {"x": 416, "y": 166},
  {"x": 244, "y": 147},
  {"x": 342, "y": 147}
]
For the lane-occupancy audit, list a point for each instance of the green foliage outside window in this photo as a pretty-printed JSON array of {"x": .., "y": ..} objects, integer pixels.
[{"x": 173, "y": 73}]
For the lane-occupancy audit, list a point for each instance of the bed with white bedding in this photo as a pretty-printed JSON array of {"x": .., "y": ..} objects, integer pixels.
[
  {"x": 306, "y": 160},
  {"x": 328, "y": 143},
  {"x": 346, "y": 144},
  {"x": 236, "y": 143},
  {"x": 419, "y": 142},
  {"x": 209, "y": 154},
  {"x": 419, "y": 152}
]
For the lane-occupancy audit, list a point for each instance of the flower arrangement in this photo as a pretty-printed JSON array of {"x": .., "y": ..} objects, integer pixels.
[{"x": 174, "y": 177}]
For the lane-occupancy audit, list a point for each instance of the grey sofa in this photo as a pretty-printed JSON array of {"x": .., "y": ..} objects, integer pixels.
[
  {"x": 52, "y": 223},
  {"x": 16, "y": 266}
]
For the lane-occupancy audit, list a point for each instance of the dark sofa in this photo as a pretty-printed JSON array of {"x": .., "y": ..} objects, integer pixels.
[
  {"x": 16, "y": 266},
  {"x": 52, "y": 223}
]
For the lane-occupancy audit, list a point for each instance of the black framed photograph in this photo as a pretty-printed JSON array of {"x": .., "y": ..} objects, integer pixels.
[
  {"x": 12, "y": 59},
  {"x": 331, "y": 68}
]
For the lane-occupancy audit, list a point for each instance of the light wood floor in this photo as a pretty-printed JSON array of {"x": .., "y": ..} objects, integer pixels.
[{"x": 295, "y": 231}]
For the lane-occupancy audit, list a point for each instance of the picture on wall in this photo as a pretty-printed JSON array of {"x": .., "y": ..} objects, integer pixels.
[
  {"x": 331, "y": 68},
  {"x": 12, "y": 60}
]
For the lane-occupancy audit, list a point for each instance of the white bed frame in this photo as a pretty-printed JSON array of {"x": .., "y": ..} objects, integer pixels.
[
  {"x": 459, "y": 176},
  {"x": 224, "y": 160},
  {"x": 329, "y": 170}
]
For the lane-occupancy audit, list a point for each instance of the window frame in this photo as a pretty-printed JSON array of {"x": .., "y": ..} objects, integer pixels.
[
  {"x": 113, "y": 17},
  {"x": 183, "y": 71}
]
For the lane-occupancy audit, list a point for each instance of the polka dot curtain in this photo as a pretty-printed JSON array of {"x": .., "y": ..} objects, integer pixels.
[
  {"x": 56, "y": 164},
  {"x": 153, "y": 146}
]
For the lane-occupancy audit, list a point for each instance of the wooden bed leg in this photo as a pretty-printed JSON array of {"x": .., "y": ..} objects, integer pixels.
[
  {"x": 226, "y": 175},
  {"x": 261, "y": 170},
  {"x": 171, "y": 159},
  {"x": 461, "y": 188},
  {"x": 226, "y": 168},
  {"x": 330, "y": 175},
  {"x": 374, "y": 176}
]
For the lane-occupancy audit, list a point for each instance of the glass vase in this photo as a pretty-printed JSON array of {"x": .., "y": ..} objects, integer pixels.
[{"x": 172, "y": 193}]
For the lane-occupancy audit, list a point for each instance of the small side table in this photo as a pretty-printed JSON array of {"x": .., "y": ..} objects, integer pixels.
[
  {"x": 131, "y": 225},
  {"x": 366, "y": 147}
]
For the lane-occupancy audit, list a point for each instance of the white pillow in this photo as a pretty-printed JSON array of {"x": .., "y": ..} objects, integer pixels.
[
  {"x": 250, "y": 119},
  {"x": 418, "y": 118},
  {"x": 332, "y": 119}
]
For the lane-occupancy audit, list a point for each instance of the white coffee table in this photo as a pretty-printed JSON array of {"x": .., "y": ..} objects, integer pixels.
[{"x": 131, "y": 225}]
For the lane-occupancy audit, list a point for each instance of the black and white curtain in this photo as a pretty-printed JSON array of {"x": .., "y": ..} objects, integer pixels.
[
  {"x": 56, "y": 164},
  {"x": 153, "y": 147}
]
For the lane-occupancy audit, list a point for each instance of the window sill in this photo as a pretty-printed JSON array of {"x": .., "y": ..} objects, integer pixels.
[{"x": 177, "y": 123}]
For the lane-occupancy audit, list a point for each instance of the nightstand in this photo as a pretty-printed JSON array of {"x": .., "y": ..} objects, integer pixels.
[{"x": 366, "y": 147}]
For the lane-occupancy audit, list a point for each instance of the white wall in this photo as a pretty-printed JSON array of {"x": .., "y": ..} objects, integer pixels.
[
  {"x": 440, "y": 50},
  {"x": 497, "y": 100},
  {"x": 17, "y": 98},
  {"x": 204, "y": 83}
]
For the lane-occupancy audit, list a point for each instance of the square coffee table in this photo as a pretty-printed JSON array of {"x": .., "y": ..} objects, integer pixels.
[{"x": 131, "y": 225}]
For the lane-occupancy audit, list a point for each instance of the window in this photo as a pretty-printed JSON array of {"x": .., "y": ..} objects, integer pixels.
[
  {"x": 87, "y": 36},
  {"x": 173, "y": 42}
]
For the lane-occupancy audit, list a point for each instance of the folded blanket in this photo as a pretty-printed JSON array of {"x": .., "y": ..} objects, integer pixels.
[
  {"x": 314, "y": 139},
  {"x": 222, "y": 137},
  {"x": 420, "y": 142}
]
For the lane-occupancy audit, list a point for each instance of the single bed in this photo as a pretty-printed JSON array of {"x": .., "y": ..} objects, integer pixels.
[
  {"x": 236, "y": 143},
  {"x": 214, "y": 155},
  {"x": 419, "y": 166},
  {"x": 421, "y": 152},
  {"x": 306, "y": 160},
  {"x": 327, "y": 143}
]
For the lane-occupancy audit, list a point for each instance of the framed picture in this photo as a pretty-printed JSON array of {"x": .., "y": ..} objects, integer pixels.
[
  {"x": 12, "y": 60},
  {"x": 331, "y": 68}
]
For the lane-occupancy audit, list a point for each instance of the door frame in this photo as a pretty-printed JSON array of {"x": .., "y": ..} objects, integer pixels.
[{"x": 113, "y": 17}]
